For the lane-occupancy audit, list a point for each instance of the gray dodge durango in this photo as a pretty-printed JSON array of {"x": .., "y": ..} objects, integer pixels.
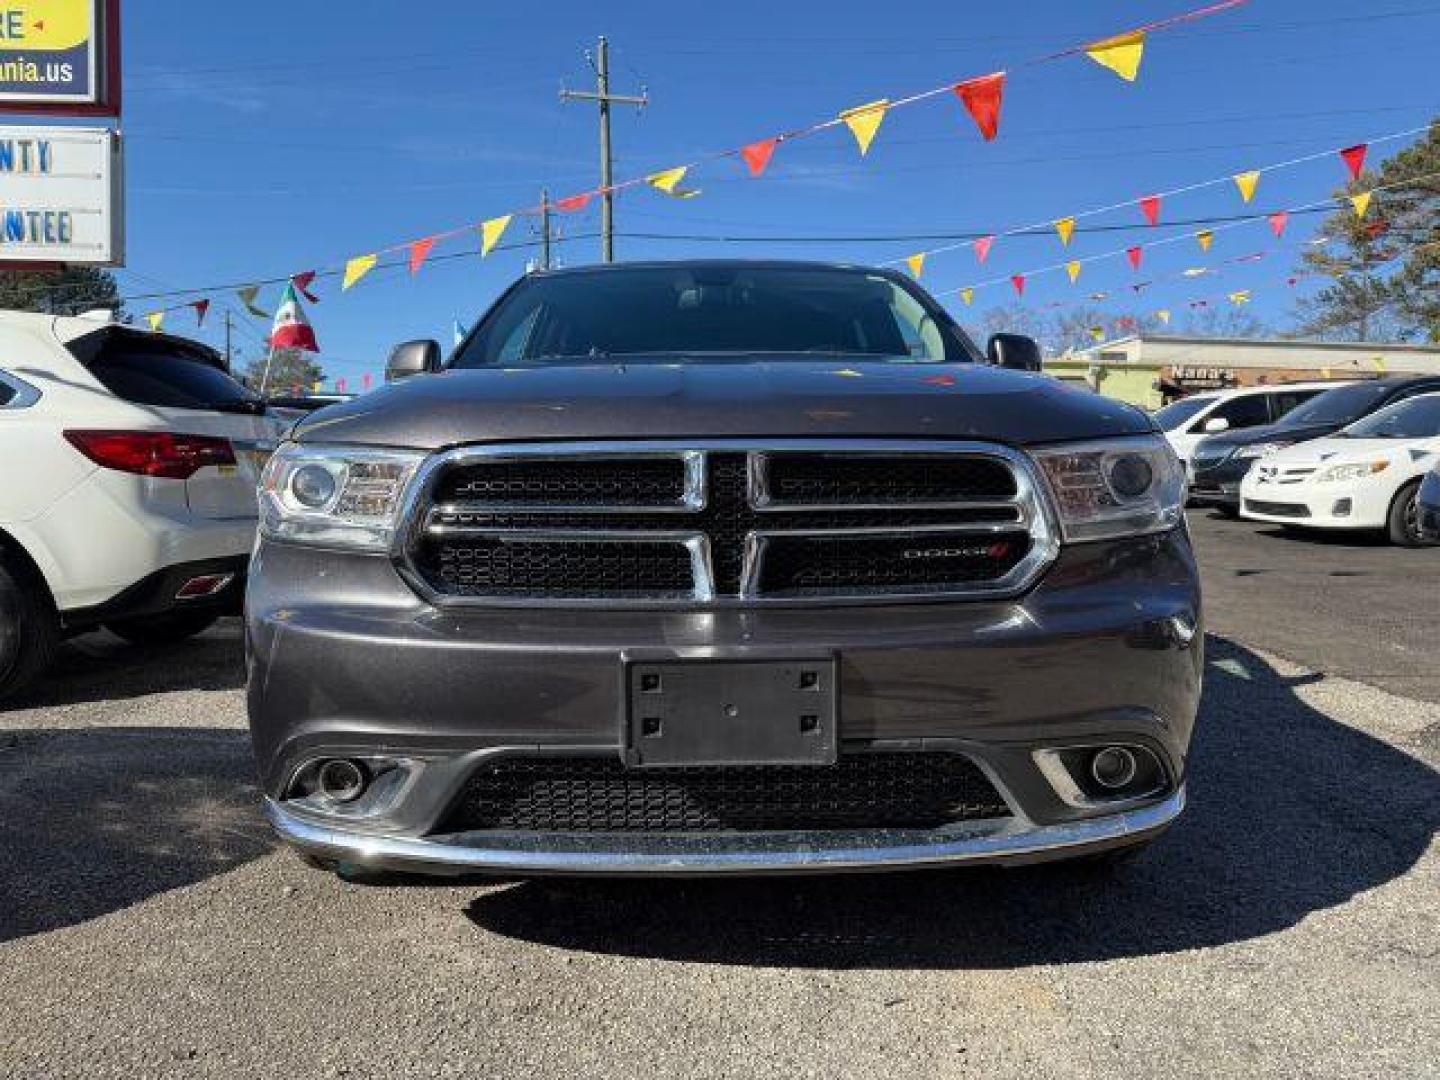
[{"x": 721, "y": 568}]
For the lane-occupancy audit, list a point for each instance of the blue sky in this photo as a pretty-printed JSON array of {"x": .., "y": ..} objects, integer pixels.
[{"x": 267, "y": 138}]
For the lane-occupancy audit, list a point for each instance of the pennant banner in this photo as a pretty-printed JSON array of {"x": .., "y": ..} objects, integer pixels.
[
  {"x": 1150, "y": 207},
  {"x": 1135, "y": 254},
  {"x": 1278, "y": 221},
  {"x": 1065, "y": 226},
  {"x": 864, "y": 121},
  {"x": 356, "y": 269},
  {"x": 1121, "y": 54},
  {"x": 1018, "y": 280},
  {"x": 916, "y": 264},
  {"x": 248, "y": 296},
  {"x": 156, "y": 319},
  {"x": 982, "y": 98},
  {"x": 1073, "y": 269},
  {"x": 302, "y": 282},
  {"x": 419, "y": 252},
  {"x": 1164, "y": 316},
  {"x": 1354, "y": 157},
  {"x": 757, "y": 155},
  {"x": 490, "y": 233},
  {"x": 1205, "y": 237},
  {"x": 202, "y": 307},
  {"x": 573, "y": 203},
  {"x": 1247, "y": 182},
  {"x": 669, "y": 180},
  {"x": 982, "y": 248},
  {"x": 968, "y": 295},
  {"x": 1361, "y": 203}
]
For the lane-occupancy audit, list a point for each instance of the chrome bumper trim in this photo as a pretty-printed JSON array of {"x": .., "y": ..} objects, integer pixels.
[{"x": 996, "y": 841}]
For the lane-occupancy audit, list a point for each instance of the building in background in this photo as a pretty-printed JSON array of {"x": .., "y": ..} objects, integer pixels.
[{"x": 1150, "y": 370}]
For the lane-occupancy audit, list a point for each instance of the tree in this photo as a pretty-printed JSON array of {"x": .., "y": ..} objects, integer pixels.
[
  {"x": 289, "y": 368},
  {"x": 70, "y": 291},
  {"x": 1383, "y": 270},
  {"x": 1230, "y": 321}
]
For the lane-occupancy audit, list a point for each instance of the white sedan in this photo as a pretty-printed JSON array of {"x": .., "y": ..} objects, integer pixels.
[{"x": 1365, "y": 476}]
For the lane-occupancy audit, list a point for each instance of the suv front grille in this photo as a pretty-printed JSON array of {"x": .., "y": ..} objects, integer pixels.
[
  {"x": 701, "y": 525},
  {"x": 860, "y": 791}
]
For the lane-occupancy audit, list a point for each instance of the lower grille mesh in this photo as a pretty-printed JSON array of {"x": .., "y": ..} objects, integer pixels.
[{"x": 861, "y": 791}]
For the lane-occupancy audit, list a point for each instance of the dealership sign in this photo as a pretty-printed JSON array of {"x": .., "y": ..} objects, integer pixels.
[
  {"x": 61, "y": 196},
  {"x": 59, "y": 56}
]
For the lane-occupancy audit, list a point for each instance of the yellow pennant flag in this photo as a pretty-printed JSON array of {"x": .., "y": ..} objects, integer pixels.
[
  {"x": 1120, "y": 54},
  {"x": 1247, "y": 182},
  {"x": 155, "y": 318},
  {"x": 916, "y": 263},
  {"x": 1241, "y": 296},
  {"x": 669, "y": 182},
  {"x": 317, "y": 386},
  {"x": 968, "y": 295},
  {"x": 1073, "y": 269},
  {"x": 1066, "y": 228},
  {"x": 1205, "y": 237},
  {"x": 357, "y": 268},
  {"x": 864, "y": 121},
  {"x": 1361, "y": 203},
  {"x": 1098, "y": 333},
  {"x": 490, "y": 233},
  {"x": 1163, "y": 315}
]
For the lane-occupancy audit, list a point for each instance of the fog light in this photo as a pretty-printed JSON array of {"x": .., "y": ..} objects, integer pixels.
[
  {"x": 1341, "y": 508},
  {"x": 1113, "y": 767},
  {"x": 341, "y": 781}
]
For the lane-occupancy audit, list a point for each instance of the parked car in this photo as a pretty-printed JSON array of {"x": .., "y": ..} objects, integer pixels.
[
  {"x": 1220, "y": 462},
  {"x": 1427, "y": 503},
  {"x": 1365, "y": 476},
  {"x": 1189, "y": 420},
  {"x": 128, "y": 499},
  {"x": 721, "y": 567}
]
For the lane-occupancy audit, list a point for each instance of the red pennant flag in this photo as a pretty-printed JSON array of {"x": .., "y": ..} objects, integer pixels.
[
  {"x": 302, "y": 281},
  {"x": 365, "y": 380},
  {"x": 1134, "y": 254},
  {"x": 982, "y": 98},
  {"x": 1355, "y": 158},
  {"x": 201, "y": 307},
  {"x": 340, "y": 385},
  {"x": 1150, "y": 207},
  {"x": 757, "y": 155},
  {"x": 419, "y": 252},
  {"x": 1278, "y": 221},
  {"x": 574, "y": 202},
  {"x": 1018, "y": 280},
  {"x": 982, "y": 248}
]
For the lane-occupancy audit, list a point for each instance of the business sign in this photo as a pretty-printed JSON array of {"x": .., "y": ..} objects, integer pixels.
[
  {"x": 61, "y": 196},
  {"x": 59, "y": 56}
]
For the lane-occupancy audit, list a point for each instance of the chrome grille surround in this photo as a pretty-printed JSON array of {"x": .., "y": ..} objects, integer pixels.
[{"x": 1032, "y": 516}]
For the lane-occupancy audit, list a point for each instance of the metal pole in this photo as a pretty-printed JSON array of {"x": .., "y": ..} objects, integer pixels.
[
  {"x": 607, "y": 197},
  {"x": 544, "y": 228}
]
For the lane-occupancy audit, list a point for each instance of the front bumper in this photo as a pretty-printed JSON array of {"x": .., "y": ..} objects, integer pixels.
[
  {"x": 344, "y": 660},
  {"x": 1360, "y": 505},
  {"x": 1009, "y": 841}
]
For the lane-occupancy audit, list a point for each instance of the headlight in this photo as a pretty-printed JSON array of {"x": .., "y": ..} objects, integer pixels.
[
  {"x": 334, "y": 496},
  {"x": 1355, "y": 471},
  {"x": 1121, "y": 487},
  {"x": 1259, "y": 450}
]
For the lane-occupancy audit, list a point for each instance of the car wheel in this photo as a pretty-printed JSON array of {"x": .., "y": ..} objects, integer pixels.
[
  {"x": 1403, "y": 524},
  {"x": 163, "y": 629},
  {"x": 29, "y": 629}
]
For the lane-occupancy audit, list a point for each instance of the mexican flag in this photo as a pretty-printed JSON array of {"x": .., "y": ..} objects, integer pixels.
[{"x": 292, "y": 330}]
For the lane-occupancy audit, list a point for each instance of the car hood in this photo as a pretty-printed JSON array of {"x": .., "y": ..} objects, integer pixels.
[
  {"x": 774, "y": 399},
  {"x": 1286, "y": 433},
  {"x": 1335, "y": 451}
]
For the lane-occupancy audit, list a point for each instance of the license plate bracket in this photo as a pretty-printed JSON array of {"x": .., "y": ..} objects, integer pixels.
[{"x": 730, "y": 712}]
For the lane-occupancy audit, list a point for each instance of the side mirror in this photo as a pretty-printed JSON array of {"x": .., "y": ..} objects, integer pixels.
[
  {"x": 1215, "y": 425},
  {"x": 1014, "y": 351},
  {"x": 412, "y": 358}
]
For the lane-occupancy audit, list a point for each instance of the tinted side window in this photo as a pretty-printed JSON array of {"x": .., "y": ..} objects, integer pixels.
[
  {"x": 7, "y": 393},
  {"x": 1285, "y": 400},
  {"x": 158, "y": 373},
  {"x": 1243, "y": 412}
]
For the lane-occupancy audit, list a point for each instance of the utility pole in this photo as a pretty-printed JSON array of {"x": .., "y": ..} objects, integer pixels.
[
  {"x": 544, "y": 228},
  {"x": 605, "y": 99}
]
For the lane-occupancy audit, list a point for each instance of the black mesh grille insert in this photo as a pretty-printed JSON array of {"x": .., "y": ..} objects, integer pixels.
[
  {"x": 797, "y": 566},
  {"x": 580, "y": 481},
  {"x": 1278, "y": 509},
  {"x": 827, "y": 479},
  {"x": 491, "y": 566},
  {"x": 861, "y": 791}
]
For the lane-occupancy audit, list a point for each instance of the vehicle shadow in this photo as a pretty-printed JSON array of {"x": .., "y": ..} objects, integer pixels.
[
  {"x": 96, "y": 819},
  {"x": 100, "y": 667},
  {"x": 1290, "y": 812}
]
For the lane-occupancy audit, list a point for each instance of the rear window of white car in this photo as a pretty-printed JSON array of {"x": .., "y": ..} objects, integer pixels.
[{"x": 158, "y": 371}]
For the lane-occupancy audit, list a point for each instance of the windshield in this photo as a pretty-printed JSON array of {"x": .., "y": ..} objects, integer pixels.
[
  {"x": 674, "y": 313},
  {"x": 1339, "y": 406},
  {"x": 1177, "y": 412},
  {"x": 1418, "y": 418}
]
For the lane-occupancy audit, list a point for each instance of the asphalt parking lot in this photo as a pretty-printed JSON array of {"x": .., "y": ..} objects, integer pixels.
[{"x": 1287, "y": 926}]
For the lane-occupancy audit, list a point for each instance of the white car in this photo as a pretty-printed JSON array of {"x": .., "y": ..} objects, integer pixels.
[
  {"x": 1186, "y": 421},
  {"x": 1365, "y": 476},
  {"x": 128, "y": 465}
]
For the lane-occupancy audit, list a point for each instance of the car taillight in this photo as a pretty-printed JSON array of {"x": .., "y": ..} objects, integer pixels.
[{"x": 152, "y": 453}]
